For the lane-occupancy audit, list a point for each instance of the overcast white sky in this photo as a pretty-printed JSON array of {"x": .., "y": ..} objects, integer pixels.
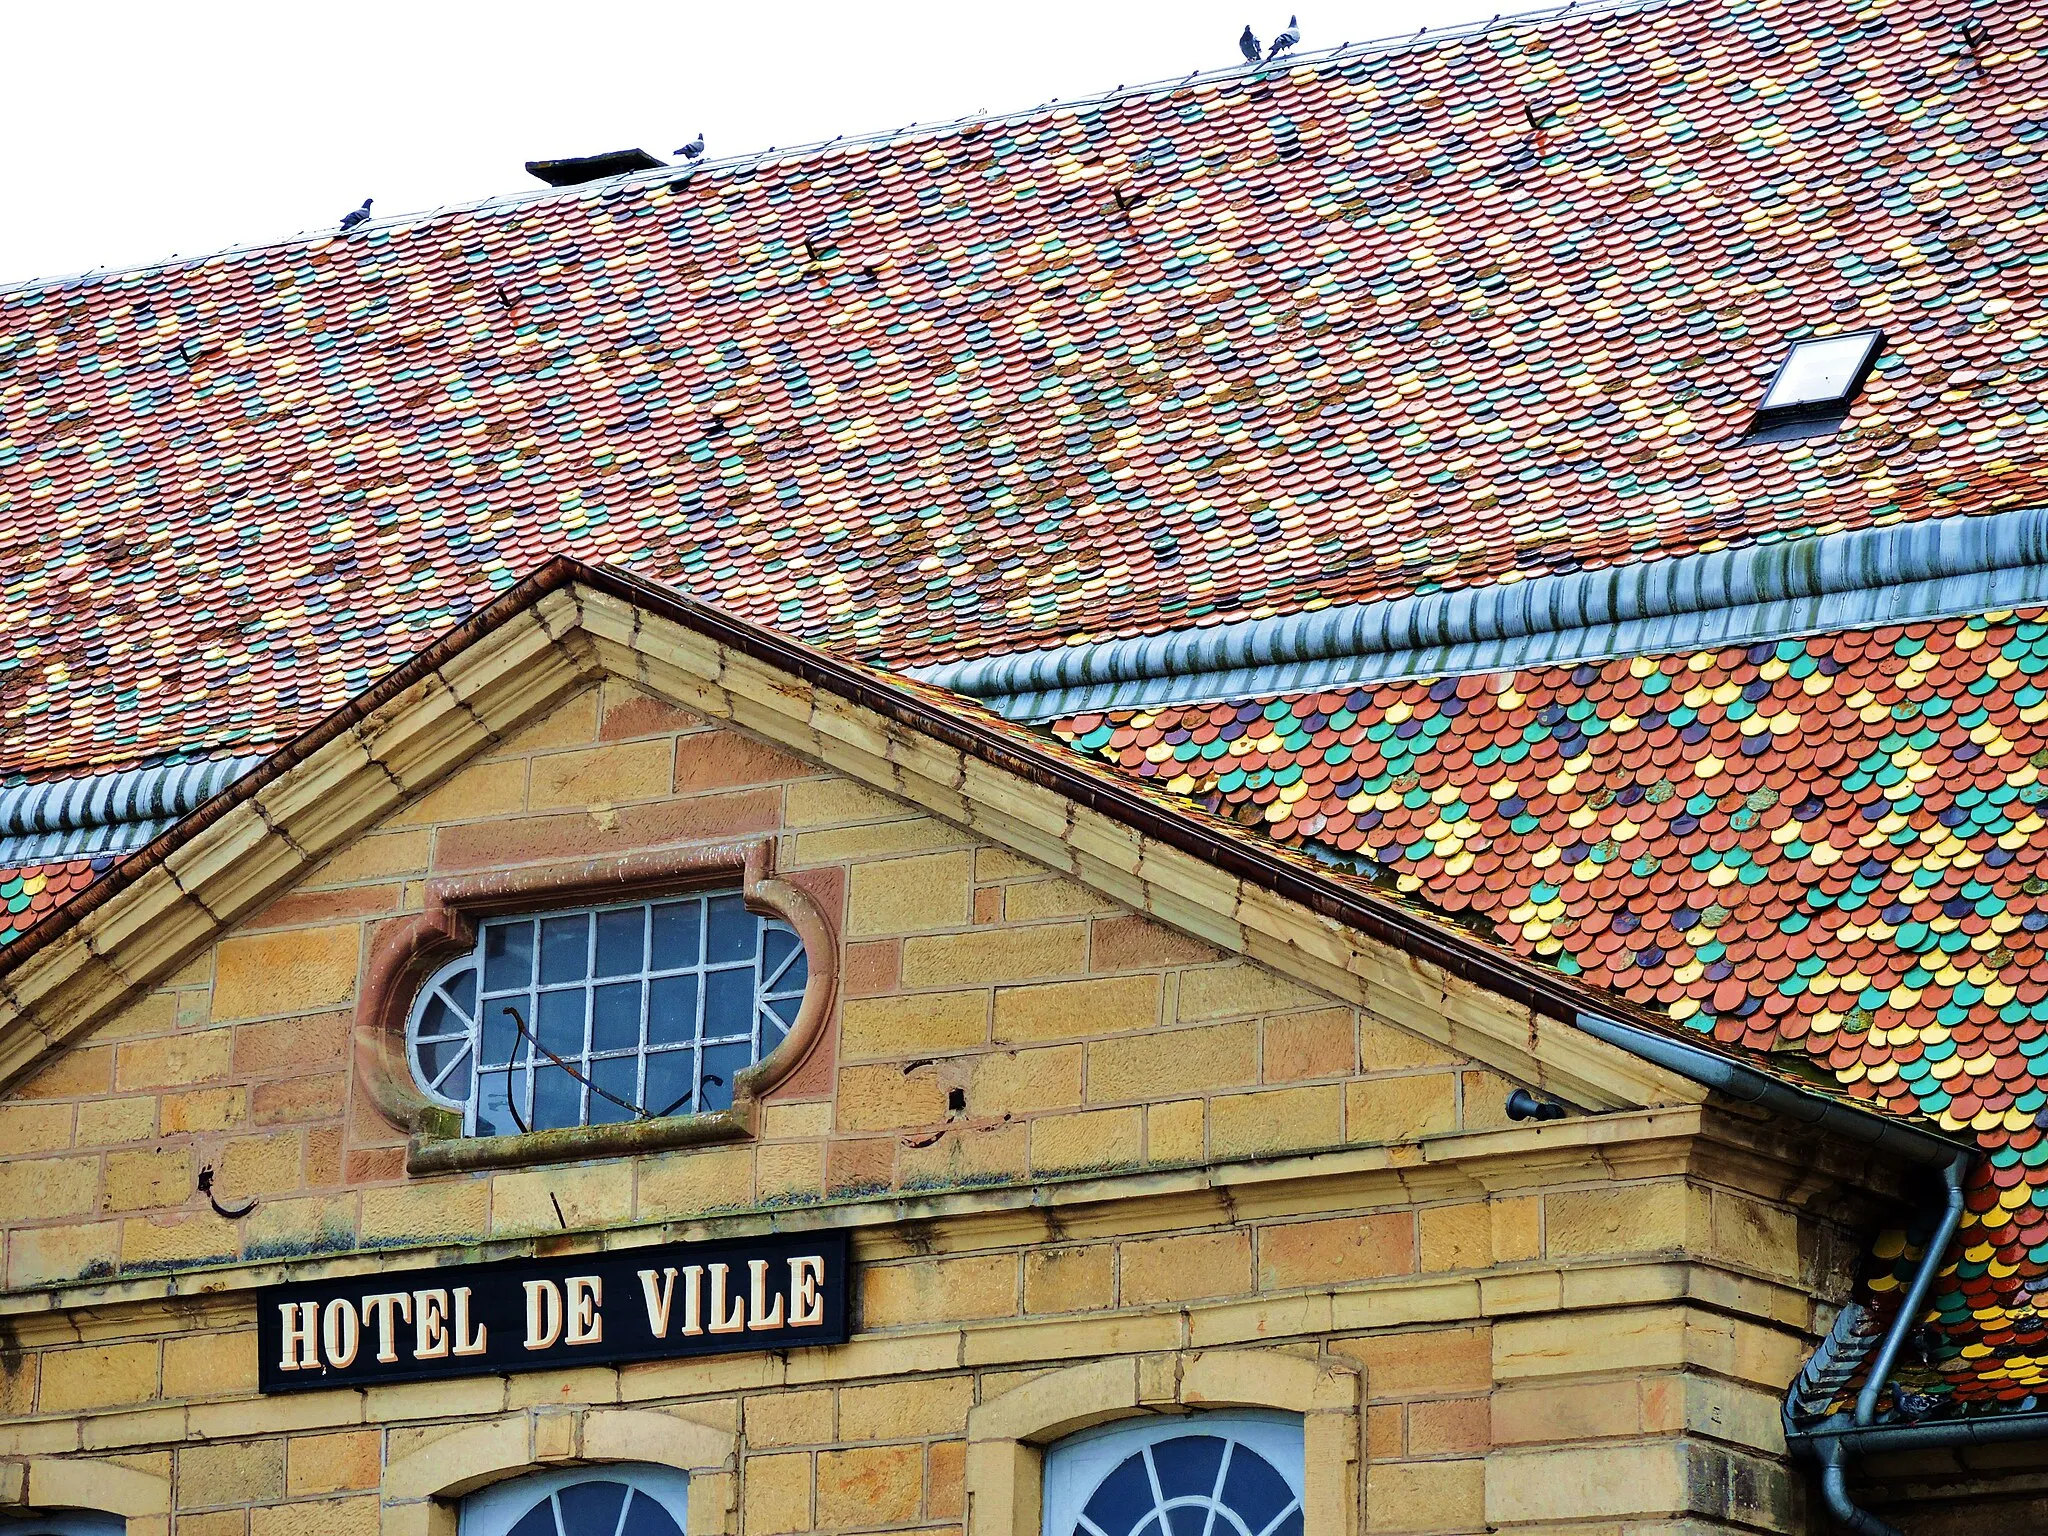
[{"x": 139, "y": 131}]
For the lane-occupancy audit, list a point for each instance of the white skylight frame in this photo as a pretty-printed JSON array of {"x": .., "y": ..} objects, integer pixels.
[{"x": 1819, "y": 379}]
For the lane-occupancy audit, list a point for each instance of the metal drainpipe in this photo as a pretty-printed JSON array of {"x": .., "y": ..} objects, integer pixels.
[{"x": 1751, "y": 1086}]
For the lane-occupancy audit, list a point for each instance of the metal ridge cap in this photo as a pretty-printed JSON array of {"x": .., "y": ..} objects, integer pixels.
[
  {"x": 119, "y": 798},
  {"x": 1879, "y": 561},
  {"x": 912, "y": 133}
]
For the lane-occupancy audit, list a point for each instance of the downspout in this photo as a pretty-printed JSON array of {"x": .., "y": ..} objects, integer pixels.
[{"x": 1733, "y": 1079}]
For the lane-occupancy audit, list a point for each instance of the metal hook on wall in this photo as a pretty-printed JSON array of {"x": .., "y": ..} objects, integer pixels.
[{"x": 206, "y": 1189}]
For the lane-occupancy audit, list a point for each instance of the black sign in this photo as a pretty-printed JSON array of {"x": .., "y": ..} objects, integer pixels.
[{"x": 660, "y": 1303}]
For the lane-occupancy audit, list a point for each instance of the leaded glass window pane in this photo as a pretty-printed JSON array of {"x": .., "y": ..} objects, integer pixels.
[{"x": 606, "y": 1014}]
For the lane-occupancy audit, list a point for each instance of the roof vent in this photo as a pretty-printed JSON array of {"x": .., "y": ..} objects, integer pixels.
[
  {"x": 1815, "y": 386},
  {"x": 575, "y": 172}
]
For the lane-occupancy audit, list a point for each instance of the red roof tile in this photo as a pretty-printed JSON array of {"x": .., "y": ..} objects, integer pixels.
[
  {"x": 1431, "y": 315},
  {"x": 31, "y": 892},
  {"x": 1830, "y": 849}
]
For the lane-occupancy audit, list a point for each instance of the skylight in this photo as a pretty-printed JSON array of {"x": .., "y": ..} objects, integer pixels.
[{"x": 1816, "y": 384}]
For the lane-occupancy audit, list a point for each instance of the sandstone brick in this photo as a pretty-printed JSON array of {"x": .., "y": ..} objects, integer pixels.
[
  {"x": 917, "y": 1024},
  {"x": 157, "y": 1179},
  {"x": 889, "y": 1098},
  {"x": 47, "y": 1188},
  {"x": 1099, "y": 1138},
  {"x": 174, "y": 1061},
  {"x": 600, "y": 831},
  {"x": 295, "y": 970},
  {"x": 724, "y": 759},
  {"x": 1754, "y": 1234},
  {"x": 262, "y": 1165},
  {"x": 874, "y": 840},
  {"x": 1173, "y": 1061},
  {"x": 425, "y": 1212},
  {"x": 988, "y": 905},
  {"x": 172, "y": 1242},
  {"x": 1226, "y": 991},
  {"x": 1067, "y": 1009},
  {"x": 378, "y": 856},
  {"x": 19, "y": 1374},
  {"x": 869, "y": 1486},
  {"x": 1435, "y": 1362},
  {"x": 71, "y": 1075},
  {"x": 298, "y": 1100},
  {"x": 1187, "y": 1268},
  {"x": 1276, "y": 1120},
  {"x": 1037, "y": 899},
  {"x": 213, "y": 1522},
  {"x": 210, "y": 1364},
  {"x": 789, "y": 1173},
  {"x": 1426, "y": 1496},
  {"x": 964, "y": 1154},
  {"x": 1517, "y": 1228},
  {"x": 293, "y": 1046},
  {"x": 109, "y": 1122},
  {"x": 38, "y": 1256},
  {"x": 1484, "y": 1097},
  {"x": 1138, "y": 943},
  {"x": 626, "y": 711},
  {"x": 1575, "y": 1411},
  {"x": 569, "y": 723},
  {"x": 239, "y": 1472},
  {"x": 1386, "y": 1431},
  {"x": 859, "y": 1165},
  {"x": 776, "y": 1494},
  {"x": 1398, "y": 1109},
  {"x": 319, "y": 1224},
  {"x": 1019, "y": 1082},
  {"x": 1336, "y": 1251},
  {"x": 1457, "y": 1236},
  {"x": 997, "y": 954},
  {"x": 871, "y": 969},
  {"x": 203, "y": 1110},
  {"x": 98, "y": 1376},
  {"x": 155, "y": 1013},
  {"x": 605, "y": 775},
  {"x": 1070, "y": 1279},
  {"x": 1320, "y": 1043},
  {"x": 790, "y": 1418},
  {"x": 470, "y": 794},
  {"x": 690, "y": 1182},
  {"x": 317, "y": 1517},
  {"x": 910, "y": 895},
  {"x": 1385, "y": 1048},
  {"x": 907, "y": 1410},
  {"x": 298, "y": 909},
  {"x": 1625, "y": 1219},
  {"x": 29, "y": 1128},
  {"x": 938, "y": 1290},
  {"x": 1175, "y": 1133},
  {"x": 590, "y": 1197},
  {"x": 946, "y": 1480},
  {"x": 1449, "y": 1427},
  {"x": 336, "y": 1463},
  {"x": 783, "y": 1119},
  {"x": 829, "y": 802}
]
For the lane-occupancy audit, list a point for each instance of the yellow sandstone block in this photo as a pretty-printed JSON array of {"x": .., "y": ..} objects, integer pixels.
[
  {"x": 889, "y": 1098},
  {"x": 869, "y": 1486},
  {"x": 1418, "y": 1496},
  {"x": 109, "y": 1122},
  {"x": 336, "y": 1463},
  {"x": 690, "y": 1182},
  {"x": 1401, "y": 1109},
  {"x": 158, "y": 1179},
  {"x": 938, "y": 1290},
  {"x": 425, "y": 1212},
  {"x": 98, "y": 1376},
  {"x": 790, "y": 1418},
  {"x": 1226, "y": 991},
  {"x": 48, "y": 1188},
  {"x": 1336, "y": 1251},
  {"x": 38, "y": 1256},
  {"x": 775, "y": 1494},
  {"x": 1068, "y": 1009},
  {"x": 917, "y": 1025},
  {"x": 1276, "y": 1120},
  {"x": 1100, "y": 1138},
  {"x": 317, "y": 1517},
  {"x": 240, "y": 1472},
  {"x": 830, "y": 802},
  {"x": 27, "y": 1128},
  {"x": 480, "y": 790},
  {"x": 294, "y": 970},
  {"x": 173, "y": 1061},
  {"x": 1186, "y": 1268},
  {"x": 378, "y": 856},
  {"x": 1320, "y": 1043},
  {"x": 1018, "y": 1082},
  {"x": 912, "y": 895},
  {"x": 1070, "y": 1279},
  {"x": 210, "y": 1364},
  {"x": 1052, "y": 898},
  {"x": 907, "y": 1410},
  {"x": 996, "y": 954},
  {"x": 592, "y": 1196},
  {"x": 606, "y": 775},
  {"x": 1173, "y": 1061},
  {"x": 1634, "y": 1218}
]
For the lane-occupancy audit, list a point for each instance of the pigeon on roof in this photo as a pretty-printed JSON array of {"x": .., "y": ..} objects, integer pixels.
[
  {"x": 1286, "y": 40},
  {"x": 1248, "y": 45},
  {"x": 356, "y": 216},
  {"x": 693, "y": 149}
]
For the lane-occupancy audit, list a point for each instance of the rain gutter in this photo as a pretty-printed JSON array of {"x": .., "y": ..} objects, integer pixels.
[{"x": 1907, "y": 572}]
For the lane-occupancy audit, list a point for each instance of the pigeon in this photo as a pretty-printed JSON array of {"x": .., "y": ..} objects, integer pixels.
[
  {"x": 693, "y": 149},
  {"x": 1248, "y": 45},
  {"x": 356, "y": 216},
  {"x": 1286, "y": 40}
]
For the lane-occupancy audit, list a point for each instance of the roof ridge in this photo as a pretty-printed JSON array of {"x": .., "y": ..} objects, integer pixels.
[{"x": 774, "y": 154}]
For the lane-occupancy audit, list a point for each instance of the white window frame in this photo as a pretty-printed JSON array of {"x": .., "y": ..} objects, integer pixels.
[
  {"x": 493, "y": 1511},
  {"x": 772, "y": 1015},
  {"x": 1076, "y": 1466}
]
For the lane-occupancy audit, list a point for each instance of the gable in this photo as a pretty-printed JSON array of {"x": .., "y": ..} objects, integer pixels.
[{"x": 997, "y": 1022}]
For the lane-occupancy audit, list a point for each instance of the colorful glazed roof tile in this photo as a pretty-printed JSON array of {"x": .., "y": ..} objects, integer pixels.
[
  {"x": 1443, "y": 313},
  {"x": 30, "y": 892},
  {"x": 1827, "y": 849}
]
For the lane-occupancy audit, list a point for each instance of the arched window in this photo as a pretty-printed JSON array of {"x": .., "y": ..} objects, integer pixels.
[
  {"x": 596, "y": 1015},
  {"x": 1202, "y": 1474},
  {"x": 627, "y": 1499},
  {"x": 63, "y": 1522}
]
